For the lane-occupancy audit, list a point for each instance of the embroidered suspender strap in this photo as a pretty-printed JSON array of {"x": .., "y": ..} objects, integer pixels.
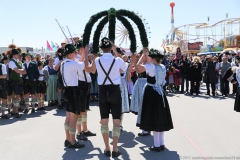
[
  {"x": 107, "y": 74},
  {"x": 85, "y": 76}
]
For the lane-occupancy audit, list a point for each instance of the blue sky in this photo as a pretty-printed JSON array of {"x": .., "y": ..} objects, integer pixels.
[{"x": 30, "y": 22}]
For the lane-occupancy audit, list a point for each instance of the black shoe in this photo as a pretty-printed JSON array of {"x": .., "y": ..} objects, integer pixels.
[
  {"x": 156, "y": 149},
  {"x": 60, "y": 107},
  {"x": 75, "y": 145},
  {"x": 66, "y": 143},
  {"x": 26, "y": 110},
  {"x": 181, "y": 92},
  {"x": 162, "y": 147},
  {"x": 207, "y": 94},
  {"x": 12, "y": 114},
  {"x": 121, "y": 128},
  {"x": 9, "y": 112},
  {"x": 115, "y": 154},
  {"x": 36, "y": 104},
  {"x": 107, "y": 153},
  {"x": 5, "y": 116},
  {"x": 213, "y": 95},
  {"x": 33, "y": 110},
  {"x": 191, "y": 94},
  {"x": 89, "y": 133},
  {"x": 43, "y": 108},
  {"x": 82, "y": 137},
  {"x": 20, "y": 110},
  {"x": 144, "y": 134},
  {"x": 17, "y": 115}
]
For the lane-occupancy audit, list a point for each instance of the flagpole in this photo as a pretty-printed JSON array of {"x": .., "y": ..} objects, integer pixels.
[
  {"x": 62, "y": 31},
  {"x": 71, "y": 36}
]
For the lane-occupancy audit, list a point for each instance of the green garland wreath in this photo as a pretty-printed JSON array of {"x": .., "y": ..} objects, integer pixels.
[
  {"x": 89, "y": 25},
  {"x": 132, "y": 36},
  {"x": 138, "y": 22},
  {"x": 112, "y": 24},
  {"x": 97, "y": 34}
]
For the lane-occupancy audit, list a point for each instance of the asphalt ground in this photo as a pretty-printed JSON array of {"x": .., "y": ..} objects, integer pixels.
[{"x": 205, "y": 127}]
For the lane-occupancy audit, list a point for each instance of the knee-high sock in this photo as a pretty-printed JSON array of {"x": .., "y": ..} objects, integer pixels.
[
  {"x": 161, "y": 138},
  {"x": 156, "y": 138},
  {"x": 59, "y": 95}
]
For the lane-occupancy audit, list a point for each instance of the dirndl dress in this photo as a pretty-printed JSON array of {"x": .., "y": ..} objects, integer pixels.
[
  {"x": 51, "y": 93},
  {"x": 136, "y": 100},
  {"x": 94, "y": 85},
  {"x": 124, "y": 95},
  {"x": 156, "y": 115},
  {"x": 237, "y": 98}
]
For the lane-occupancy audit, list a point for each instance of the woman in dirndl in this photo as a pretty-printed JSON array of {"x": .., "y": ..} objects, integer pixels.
[
  {"x": 237, "y": 98},
  {"x": 156, "y": 115},
  {"x": 136, "y": 99},
  {"x": 51, "y": 94}
]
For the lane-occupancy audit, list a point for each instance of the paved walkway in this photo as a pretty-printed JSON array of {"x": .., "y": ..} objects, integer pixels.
[{"x": 203, "y": 127}]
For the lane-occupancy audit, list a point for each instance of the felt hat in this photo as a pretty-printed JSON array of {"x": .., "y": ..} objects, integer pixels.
[
  {"x": 79, "y": 44},
  {"x": 105, "y": 43},
  {"x": 15, "y": 51},
  {"x": 69, "y": 48},
  {"x": 154, "y": 53}
]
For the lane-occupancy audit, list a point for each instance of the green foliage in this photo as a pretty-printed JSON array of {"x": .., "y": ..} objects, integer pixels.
[
  {"x": 97, "y": 34},
  {"x": 138, "y": 22},
  {"x": 112, "y": 24},
  {"x": 131, "y": 33},
  {"x": 89, "y": 25}
]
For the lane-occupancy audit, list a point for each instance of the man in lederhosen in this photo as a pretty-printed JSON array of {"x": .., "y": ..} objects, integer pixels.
[
  {"x": 57, "y": 62},
  {"x": 3, "y": 88},
  {"x": 109, "y": 78},
  {"x": 29, "y": 82},
  {"x": 84, "y": 83},
  {"x": 69, "y": 70},
  {"x": 16, "y": 82}
]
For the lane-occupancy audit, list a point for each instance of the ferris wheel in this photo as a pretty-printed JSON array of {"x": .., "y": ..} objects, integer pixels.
[{"x": 122, "y": 35}]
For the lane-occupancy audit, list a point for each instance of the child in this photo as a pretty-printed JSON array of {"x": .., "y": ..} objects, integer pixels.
[{"x": 41, "y": 85}]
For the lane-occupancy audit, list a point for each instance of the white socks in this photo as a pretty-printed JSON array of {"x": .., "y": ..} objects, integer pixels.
[{"x": 158, "y": 138}]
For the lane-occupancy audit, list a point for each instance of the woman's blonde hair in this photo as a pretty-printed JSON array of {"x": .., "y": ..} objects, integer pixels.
[{"x": 198, "y": 59}]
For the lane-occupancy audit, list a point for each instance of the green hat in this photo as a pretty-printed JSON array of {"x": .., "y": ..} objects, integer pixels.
[
  {"x": 39, "y": 63},
  {"x": 79, "y": 44},
  {"x": 15, "y": 51},
  {"x": 69, "y": 48},
  {"x": 155, "y": 54},
  {"x": 28, "y": 54},
  {"x": 5, "y": 58},
  {"x": 105, "y": 43}
]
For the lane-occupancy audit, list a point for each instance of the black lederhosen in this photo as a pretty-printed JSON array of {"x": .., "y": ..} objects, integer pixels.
[
  {"x": 73, "y": 100},
  {"x": 84, "y": 91},
  {"x": 3, "y": 91},
  {"x": 109, "y": 97},
  {"x": 29, "y": 87},
  {"x": 41, "y": 87},
  {"x": 15, "y": 87},
  {"x": 110, "y": 100}
]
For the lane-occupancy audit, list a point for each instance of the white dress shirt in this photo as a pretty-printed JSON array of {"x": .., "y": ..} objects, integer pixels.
[
  {"x": 23, "y": 67},
  {"x": 56, "y": 61},
  {"x": 4, "y": 70},
  {"x": 106, "y": 60},
  {"x": 70, "y": 72},
  {"x": 41, "y": 76},
  {"x": 78, "y": 58},
  {"x": 81, "y": 76}
]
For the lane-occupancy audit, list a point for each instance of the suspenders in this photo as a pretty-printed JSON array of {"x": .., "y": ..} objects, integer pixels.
[
  {"x": 107, "y": 74},
  {"x": 63, "y": 73}
]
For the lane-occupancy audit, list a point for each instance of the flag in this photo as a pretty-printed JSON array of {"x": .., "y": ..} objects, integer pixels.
[
  {"x": 57, "y": 45},
  {"x": 49, "y": 48},
  {"x": 53, "y": 46}
]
